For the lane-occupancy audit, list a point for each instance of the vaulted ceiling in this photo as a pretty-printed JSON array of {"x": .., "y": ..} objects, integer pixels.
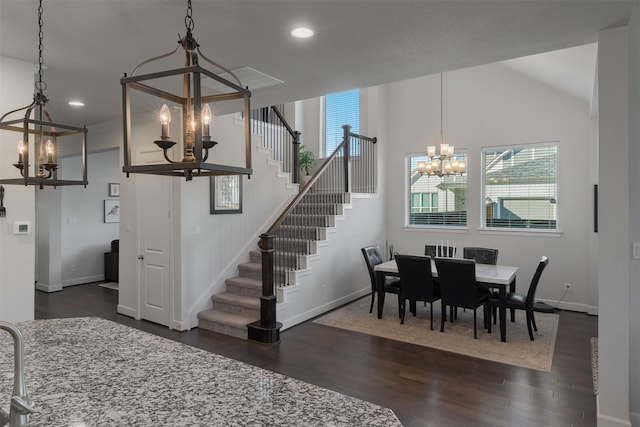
[{"x": 90, "y": 44}]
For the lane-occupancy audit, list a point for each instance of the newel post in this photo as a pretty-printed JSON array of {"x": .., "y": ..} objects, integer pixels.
[
  {"x": 296, "y": 157},
  {"x": 347, "y": 157},
  {"x": 267, "y": 329}
]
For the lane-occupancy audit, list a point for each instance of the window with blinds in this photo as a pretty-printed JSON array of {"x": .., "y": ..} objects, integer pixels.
[
  {"x": 341, "y": 108},
  {"x": 520, "y": 186},
  {"x": 434, "y": 200}
]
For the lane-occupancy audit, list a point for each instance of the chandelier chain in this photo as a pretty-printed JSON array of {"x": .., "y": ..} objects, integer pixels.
[
  {"x": 441, "y": 113},
  {"x": 40, "y": 85},
  {"x": 188, "y": 19}
]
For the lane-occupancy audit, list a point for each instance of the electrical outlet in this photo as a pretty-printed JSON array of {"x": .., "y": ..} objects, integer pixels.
[{"x": 567, "y": 286}]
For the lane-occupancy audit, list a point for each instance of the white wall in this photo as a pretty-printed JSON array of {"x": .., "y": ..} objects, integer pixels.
[
  {"x": 487, "y": 106},
  {"x": 72, "y": 236},
  {"x": 85, "y": 235},
  {"x": 17, "y": 252},
  {"x": 337, "y": 273},
  {"x": 213, "y": 245},
  {"x": 634, "y": 208},
  {"x": 614, "y": 243}
]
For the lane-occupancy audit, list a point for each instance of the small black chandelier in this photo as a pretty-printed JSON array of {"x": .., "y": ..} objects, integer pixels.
[
  {"x": 190, "y": 91},
  {"x": 48, "y": 136}
]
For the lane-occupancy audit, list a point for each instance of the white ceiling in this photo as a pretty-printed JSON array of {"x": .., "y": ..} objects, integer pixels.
[{"x": 90, "y": 44}]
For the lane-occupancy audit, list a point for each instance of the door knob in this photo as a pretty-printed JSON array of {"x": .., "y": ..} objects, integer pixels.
[{"x": 140, "y": 256}]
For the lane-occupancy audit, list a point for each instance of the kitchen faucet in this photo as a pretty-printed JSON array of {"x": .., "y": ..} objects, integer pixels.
[{"x": 21, "y": 405}]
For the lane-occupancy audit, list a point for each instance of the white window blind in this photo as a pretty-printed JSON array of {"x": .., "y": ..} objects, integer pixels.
[
  {"x": 520, "y": 186},
  {"x": 434, "y": 200},
  {"x": 341, "y": 108}
]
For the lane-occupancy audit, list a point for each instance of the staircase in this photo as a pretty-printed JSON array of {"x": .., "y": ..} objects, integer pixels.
[{"x": 240, "y": 304}]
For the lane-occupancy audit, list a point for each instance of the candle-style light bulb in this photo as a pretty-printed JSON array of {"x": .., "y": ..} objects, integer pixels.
[
  {"x": 206, "y": 119},
  {"x": 462, "y": 167},
  {"x": 49, "y": 151},
  {"x": 165, "y": 119},
  {"x": 20, "y": 152}
]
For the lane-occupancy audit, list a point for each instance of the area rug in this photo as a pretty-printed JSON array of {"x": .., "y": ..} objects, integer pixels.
[
  {"x": 110, "y": 285},
  {"x": 594, "y": 363},
  {"x": 519, "y": 350}
]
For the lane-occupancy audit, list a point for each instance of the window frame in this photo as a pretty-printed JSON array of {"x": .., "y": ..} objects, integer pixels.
[{"x": 483, "y": 212}]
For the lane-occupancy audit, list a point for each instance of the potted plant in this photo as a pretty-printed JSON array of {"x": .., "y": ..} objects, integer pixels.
[{"x": 307, "y": 159}]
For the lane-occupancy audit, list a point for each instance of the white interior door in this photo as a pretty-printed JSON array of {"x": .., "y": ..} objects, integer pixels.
[{"x": 154, "y": 222}]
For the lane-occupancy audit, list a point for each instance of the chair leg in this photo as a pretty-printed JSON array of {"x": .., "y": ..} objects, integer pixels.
[
  {"x": 490, "y": 311},
  {"x": 533, "y": 321},
  {"x": 430, "y": 313},
  {"x": 373, "y": 297},
  {"x": 402, "y": 310},
  {"x": 443, "y": 314},
  {"x": 475, "y": 330},
  {"x": 529, "y": 326}
]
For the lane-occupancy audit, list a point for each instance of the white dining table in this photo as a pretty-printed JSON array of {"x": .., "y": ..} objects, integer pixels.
[{"x": 488, "y": 276}]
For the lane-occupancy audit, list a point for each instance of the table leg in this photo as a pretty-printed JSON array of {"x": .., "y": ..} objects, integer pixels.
[
  {"x": 512, "y": 289},
  {"x": 380, "y": 277},
  {"x": 503, "y": 313}
]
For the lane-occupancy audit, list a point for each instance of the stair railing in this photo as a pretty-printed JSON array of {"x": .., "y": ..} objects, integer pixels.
[
  {"x": 279, "y": 137},
  {"x": 350, "y": 168}
]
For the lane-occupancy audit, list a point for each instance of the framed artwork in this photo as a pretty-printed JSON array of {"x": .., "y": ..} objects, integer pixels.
[
  {"x": 114, "y": 189},
  {"x": 111, "y": 211},
  {"x": 226, "y": 194}
]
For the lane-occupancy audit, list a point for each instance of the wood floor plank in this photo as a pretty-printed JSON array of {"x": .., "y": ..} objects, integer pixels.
[{"x": 423, "y": 386}]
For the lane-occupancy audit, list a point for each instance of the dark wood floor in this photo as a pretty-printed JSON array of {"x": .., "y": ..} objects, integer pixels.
[{"x": 423, "y": 387}]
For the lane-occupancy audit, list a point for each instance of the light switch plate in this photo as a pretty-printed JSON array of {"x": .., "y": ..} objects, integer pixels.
[{"x": 21, "y": 227}]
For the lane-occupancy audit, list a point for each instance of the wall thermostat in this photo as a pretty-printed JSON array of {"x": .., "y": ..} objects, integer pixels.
[{"x": 21, "y": 227}]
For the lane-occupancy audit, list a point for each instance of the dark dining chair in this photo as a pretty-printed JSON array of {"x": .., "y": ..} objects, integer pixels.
[
  {"x": 457, "y": 278},
  {"x": 417, "y": 283},
  {"x": 432, "y": 251},
  {"x": 481, "y": 255},
  {"x": 523, "y": 302},
  {"x": 372, "y": 258}
]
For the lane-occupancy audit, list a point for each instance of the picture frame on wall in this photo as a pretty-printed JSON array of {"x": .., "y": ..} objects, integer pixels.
[
  {"x": 226, "y": 194},
  {"x": 111, "y": 211},
  {"x": 114, "y": 189}
]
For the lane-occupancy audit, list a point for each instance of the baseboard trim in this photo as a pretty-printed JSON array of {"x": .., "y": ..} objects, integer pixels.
[
  {"x": 316, "y": 311},
  {"x": 82, "y": 280},
  {"x": 608, "y": 421},
  {"x": 127, "y": 311},
  {"x": 571, "y": 306},
  {"x": 44, "y": 287}
]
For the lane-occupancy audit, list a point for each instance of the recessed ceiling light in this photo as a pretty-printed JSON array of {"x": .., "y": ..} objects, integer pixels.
[
  {"x": 76, "y": 103},
  {"x": 302, "y": 33}
]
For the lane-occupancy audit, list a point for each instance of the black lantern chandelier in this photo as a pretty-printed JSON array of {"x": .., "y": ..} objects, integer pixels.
[
  {"x": 195, "y": 90},
  {"x": 41, "y": 137},
  {"x": 443, "y": 162}
]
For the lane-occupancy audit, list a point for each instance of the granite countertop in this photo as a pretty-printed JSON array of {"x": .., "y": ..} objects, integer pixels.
[{"x": 84, "y": 372}]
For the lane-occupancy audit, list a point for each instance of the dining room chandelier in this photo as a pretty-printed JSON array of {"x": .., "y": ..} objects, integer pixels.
[
  {"x": 193, "y": 94},
  {"x": 442, "y": 162},
  {"x": 41, "y": 138}
]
